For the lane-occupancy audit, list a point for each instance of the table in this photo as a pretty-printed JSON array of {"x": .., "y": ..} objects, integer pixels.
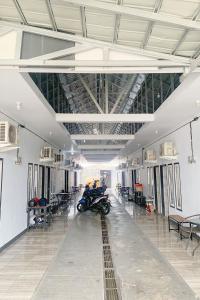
[{"x": 46, "y": 213}]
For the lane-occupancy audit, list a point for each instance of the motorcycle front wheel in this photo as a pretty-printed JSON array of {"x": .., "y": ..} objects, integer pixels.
[
  {"x": 80, "y": 207},
  {"x": 105, "y": 209}
]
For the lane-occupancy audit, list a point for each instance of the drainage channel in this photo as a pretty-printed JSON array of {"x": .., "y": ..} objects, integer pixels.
[{"x": 111, "y": 288}]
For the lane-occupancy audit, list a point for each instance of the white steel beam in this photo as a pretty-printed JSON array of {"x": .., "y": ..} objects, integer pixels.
[
  {"x": 64, "y": 52},
  {"x": 100, "y": 152},
  {"x": 100, "y": 146},
  {"x": 139, "y": 13},
  {"x": 106, "y": 93},
  {"x": 83, "y": 21},
  {"x": 90, "y": 94},
  {"x": 100, "y": 137},
  {"x": 104, "y": 118},
  {"x": 97, "y": 43},
  {"x": 88, "y": 63},
  {"x": 20, "y": 12},
  {"x": 123, "y": 93},
  {"x": 51, "y": 15}
]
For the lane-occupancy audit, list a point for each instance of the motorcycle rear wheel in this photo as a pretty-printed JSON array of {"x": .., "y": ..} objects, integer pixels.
[
  {"x": 105, "y": 209},
  {"x": 80, "y": 207}
]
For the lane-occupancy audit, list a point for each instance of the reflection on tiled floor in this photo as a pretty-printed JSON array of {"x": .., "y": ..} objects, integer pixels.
[
  {"x": 24, "y": 263},
  {"x": 65, "y": 261},
  {"x": 155, "y": 228}
]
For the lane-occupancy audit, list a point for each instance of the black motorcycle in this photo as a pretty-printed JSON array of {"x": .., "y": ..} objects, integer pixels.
[{"x": 94, "y": 200}]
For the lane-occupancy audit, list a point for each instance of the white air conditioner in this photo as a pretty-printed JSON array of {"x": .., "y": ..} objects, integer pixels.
[
  {"x": 58, "y": 158},
  {"x": 8, "y": 135},
  {"x": 136, "y": 162},
  {"x": 150, "y": 156},
  {"x": 47, "y": 154},
  {"x": 168, "y": 151}
]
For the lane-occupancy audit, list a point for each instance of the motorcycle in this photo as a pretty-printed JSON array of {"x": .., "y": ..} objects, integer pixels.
[{"x": 94, "y": 200}]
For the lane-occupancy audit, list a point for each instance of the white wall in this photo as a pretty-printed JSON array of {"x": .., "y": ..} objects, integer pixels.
[
  {"x": 189, "y": 173},
  {"x": 14, "y": 187}
]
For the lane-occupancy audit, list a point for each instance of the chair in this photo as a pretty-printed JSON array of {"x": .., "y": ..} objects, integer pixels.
[{"x": 190, "y": 227}]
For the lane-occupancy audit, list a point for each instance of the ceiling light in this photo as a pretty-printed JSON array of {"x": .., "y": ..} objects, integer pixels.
[
  {"x": 156, "y": 132},
  {"x": 198, "y": 102},
  {"x": 19, "y": 105},
  {"x": 50, "y": 132}
]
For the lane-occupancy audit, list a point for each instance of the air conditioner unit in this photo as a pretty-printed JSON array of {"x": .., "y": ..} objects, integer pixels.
[
  {"x": 168, "y": 151},
  {"x": 150, "y": 156},
  {"x": 58, "y": 158},
  {"x": 136, "y": 162},
  {"x": 8, "y": 135},
  {"x": 47, "y": 154}
]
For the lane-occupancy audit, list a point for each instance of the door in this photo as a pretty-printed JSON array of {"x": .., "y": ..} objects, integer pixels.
[
  {"x": 106, "y": 177},
  {"x": 66, "y": 181},
  {"x": 75, "y": 178},
  {"x": 162, "y": 190},
  {"x": 158, "y": 188},
  {"x": 123, "y": 179}
]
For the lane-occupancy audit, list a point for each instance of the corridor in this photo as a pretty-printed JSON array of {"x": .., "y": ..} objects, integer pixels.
[{"x": 66, "y": 261}]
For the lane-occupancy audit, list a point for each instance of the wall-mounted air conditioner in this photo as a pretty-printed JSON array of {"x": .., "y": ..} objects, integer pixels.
[
  {"x": 136, "y": 162},
  {"x": 168, "y": 151},
  {"x": 150, "y": 156},
  {"x": 8, "y": 136},
  {"x": 47, "y": 154}
]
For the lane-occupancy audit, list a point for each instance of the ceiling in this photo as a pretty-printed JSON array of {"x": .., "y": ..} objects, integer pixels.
[
  {"x": 124, "y": 22},
  {"x": 35, "y": 112}
]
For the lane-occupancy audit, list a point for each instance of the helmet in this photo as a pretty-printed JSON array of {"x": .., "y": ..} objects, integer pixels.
[{"x": 31, "y": 203}]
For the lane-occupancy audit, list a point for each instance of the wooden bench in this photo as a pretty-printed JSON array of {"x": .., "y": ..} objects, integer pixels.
[{"x": 175, "y": 219}]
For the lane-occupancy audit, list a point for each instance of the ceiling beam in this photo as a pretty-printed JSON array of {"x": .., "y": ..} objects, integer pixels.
[
  {"x": 100, "y": 152},
  {"x": 186, "y": 31},
  {"x": 20, "y": 12},
  {"x": 51, "y": 15},
  {"x": 139, "y": 13},
  {"x": 88, "y": 63},
  {"x": 157, "y": 7},
  {"x": 83, "y": 21},
  {"x": 64, "y": 52},
  {"x": 90, "y": 94},
  {"x": 104, "y": 118},
  {"x": 97, "y": 43},
  {"x": 100, "y": 137},
  {"x": 106, "y": 94},
  {"x": 123, "y": 93},
  {"x": 100, "y": 146}
]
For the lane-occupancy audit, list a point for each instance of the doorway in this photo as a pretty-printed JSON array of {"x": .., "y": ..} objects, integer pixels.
[{"x": 105, "y": 176}]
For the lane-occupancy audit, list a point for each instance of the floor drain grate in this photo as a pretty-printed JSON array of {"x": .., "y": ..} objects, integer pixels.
[
  {"x": 111, "y": 289},
  {"x": 112, "y": 294}
]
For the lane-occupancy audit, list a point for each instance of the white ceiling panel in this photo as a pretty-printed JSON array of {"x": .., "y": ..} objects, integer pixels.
[
  {"x": 38, "y": 19},
  {"x": 186, "y": 53},
  {"x": 162, "y": 43},
  {"x": 9, "y": 12},
  {"x": 130, "y": 36},
  {"x": 159, "y": 49},
  {"x": 145, "y": 4},
  {"x": 192, "y": 36},
  {"x": 180, "y": 8},
  {"x": 68, "y": 25},
  {"x": 128, "y": 23},
  {"x": 167, "y": 32},
  {"x": 103, "y": 31},
  {"x": 37, "y": 6},
  {"x": 129, "y": 43},
  {"x": 98, "y": 37},
  {"x": 188, "y": 46},
  {"x": 65, "y": 11}
]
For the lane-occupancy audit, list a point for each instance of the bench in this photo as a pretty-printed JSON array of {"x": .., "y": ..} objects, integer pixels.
[{"x": 175, "y": 219}]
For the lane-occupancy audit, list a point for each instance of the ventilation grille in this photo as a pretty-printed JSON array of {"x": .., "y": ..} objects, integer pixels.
[{"x": 2, "y": 132}]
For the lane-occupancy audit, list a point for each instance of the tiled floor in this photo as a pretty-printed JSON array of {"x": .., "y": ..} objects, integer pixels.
[{"x": 65, "y": 262}]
